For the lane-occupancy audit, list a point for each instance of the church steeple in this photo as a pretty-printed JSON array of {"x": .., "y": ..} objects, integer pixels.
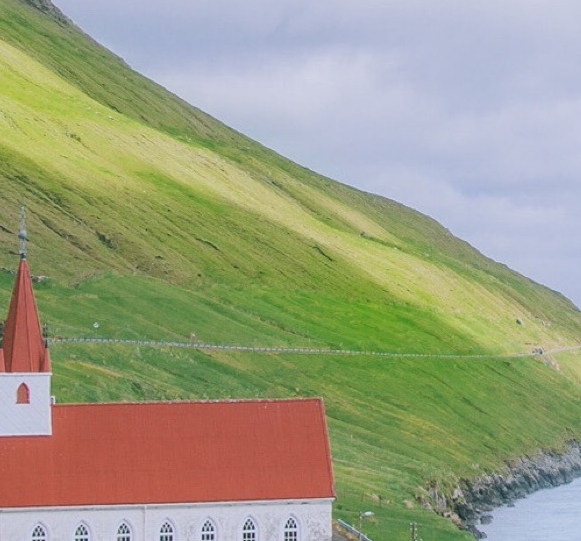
[
  {"x": 23, "y": 346},
  {"x": 25, "y": 401}
]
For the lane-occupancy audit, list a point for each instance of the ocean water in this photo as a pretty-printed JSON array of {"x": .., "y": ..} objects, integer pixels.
[{"x": 547, "y": 515}]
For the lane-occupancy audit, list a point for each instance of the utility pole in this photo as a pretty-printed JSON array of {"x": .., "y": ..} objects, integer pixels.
[{"x": 363, "y": 515}]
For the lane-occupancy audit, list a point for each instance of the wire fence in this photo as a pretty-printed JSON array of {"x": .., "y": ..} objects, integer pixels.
[
  {"x": 353, "y": 530},
  {"x": 302, "y": 350}
]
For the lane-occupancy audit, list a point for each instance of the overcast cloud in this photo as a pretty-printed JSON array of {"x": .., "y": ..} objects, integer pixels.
[{"x": 467, "y": 111}]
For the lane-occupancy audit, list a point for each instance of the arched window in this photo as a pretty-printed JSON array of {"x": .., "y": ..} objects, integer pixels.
[
  {"x": 81, "y": 533},
  {"x": 23, "y": 394},
  {"x": 208, "y": 531},
  {"x": 124, "y": 532},
  {"x": 249, "y": 530},
  {"x": 38, "y": 534},
  {"x": 166, "y": 532},
  {"x": 291, "y": 530}
]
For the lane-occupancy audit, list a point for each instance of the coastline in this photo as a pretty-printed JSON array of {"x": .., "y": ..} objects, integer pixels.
[{"x": 473, "y": 500}]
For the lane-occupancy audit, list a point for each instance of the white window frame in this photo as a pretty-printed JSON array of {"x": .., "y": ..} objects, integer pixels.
[
  {"x": 82, "y": 533},
  {"x": 124, "y": 532},
  {"x": 39, "y": 533},
  {"x": 208, "y": 534},
  {"x": 167, "y": 531},
  {"x": 249, "y": 530},
  {"x": 291, "y": 529}
]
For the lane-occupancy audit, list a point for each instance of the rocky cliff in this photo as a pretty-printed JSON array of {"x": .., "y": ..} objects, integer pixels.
[
  {"x": 472, "y": 500},
  {"x": 46, "y": 6}
]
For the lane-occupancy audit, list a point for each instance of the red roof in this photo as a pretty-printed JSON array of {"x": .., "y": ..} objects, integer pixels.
[
  {"x": 173, "y": 452},
  {"x": 23, "y": 344}
]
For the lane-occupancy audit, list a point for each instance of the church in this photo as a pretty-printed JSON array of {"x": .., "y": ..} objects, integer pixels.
[{"x": 227, "y": 470}]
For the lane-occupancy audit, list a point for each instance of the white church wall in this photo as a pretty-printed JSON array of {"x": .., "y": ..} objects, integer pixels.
[
  {"x": 25, "y": 419},
  {"x": 312, "y": 517}
]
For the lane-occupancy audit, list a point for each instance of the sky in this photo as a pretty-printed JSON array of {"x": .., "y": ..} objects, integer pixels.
[{"x": 468, "y": 111}]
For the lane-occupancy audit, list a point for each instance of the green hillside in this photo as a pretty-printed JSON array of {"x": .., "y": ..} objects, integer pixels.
[{"x": 157, "y": 221}]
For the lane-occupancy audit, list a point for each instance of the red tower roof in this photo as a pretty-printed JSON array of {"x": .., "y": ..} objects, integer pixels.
[
  {"x": 23, "y": 343},
  {"x": 173, "y": 452}
]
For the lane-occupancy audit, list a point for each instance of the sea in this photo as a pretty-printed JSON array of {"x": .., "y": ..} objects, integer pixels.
[{"x": 553, "y": 514}]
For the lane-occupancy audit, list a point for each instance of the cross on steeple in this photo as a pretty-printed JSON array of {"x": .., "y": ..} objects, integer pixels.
[{"x": 22, "y": 232}]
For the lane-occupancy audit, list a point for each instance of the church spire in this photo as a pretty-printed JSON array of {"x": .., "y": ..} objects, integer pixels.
[{"x": 23, "y": 346}]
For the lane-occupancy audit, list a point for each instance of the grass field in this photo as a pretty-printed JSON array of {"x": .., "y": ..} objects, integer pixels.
[{"x": 398, "y": 425}]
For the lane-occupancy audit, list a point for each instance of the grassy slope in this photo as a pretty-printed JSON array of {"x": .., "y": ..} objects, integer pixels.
[{"x": 156, "y": 220}]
